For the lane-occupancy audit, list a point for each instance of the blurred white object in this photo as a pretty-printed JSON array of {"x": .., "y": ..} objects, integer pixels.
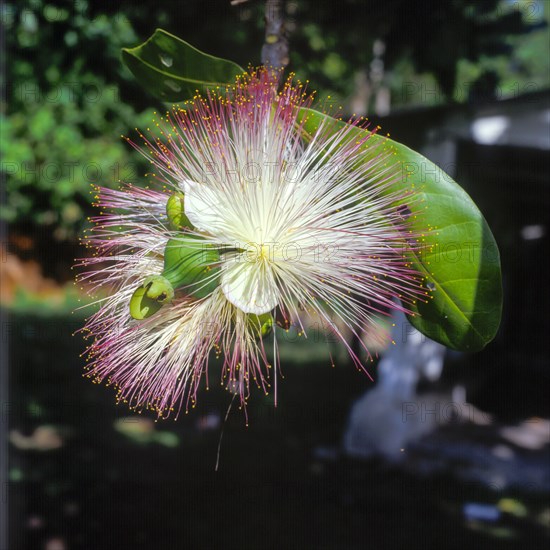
[
  {"x": 533, "y": 232},
  {"x": 531, "y": 434},
  {"x": 378, "y": 424},
  {"x": 488, "y": 130}
]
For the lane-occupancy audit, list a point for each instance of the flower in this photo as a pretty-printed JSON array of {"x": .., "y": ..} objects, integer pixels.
[{"x": 254, "y": 226}]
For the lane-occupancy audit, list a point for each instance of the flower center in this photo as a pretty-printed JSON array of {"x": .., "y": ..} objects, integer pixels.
[{"x": 264, "y": 253}]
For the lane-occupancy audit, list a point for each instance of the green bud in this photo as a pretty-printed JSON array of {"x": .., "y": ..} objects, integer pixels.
[
  {"x": 262, "y": 324},
  {"x": 148, "y": 298},
  {"x": 189, "y": 263},
  {"x": 192, "y": 264},
  {"x": 176, "y": 212}
]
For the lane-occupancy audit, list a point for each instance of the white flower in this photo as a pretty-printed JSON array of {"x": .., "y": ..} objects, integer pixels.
[{"x": 273, "y": 225}]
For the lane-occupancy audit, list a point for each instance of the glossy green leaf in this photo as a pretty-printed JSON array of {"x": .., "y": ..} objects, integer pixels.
[
  {"x": 172, "y": 70},
  {"x": 459, "y": 257}
]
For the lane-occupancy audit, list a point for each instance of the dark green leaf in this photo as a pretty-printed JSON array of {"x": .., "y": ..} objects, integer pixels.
[
  {"x": 459, "y": 257},
  {"x": 172, "y": 70}
]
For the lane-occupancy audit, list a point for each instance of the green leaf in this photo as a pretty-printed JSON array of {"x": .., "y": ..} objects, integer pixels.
[
  {"x": 172, "y": 70},
  {"x": 459, "y": 257}
]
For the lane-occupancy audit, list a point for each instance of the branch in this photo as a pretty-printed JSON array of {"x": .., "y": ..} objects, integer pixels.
[{"x": 275, "y": 48}]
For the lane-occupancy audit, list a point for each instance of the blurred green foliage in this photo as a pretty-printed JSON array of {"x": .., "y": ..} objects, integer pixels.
[
  {"x": 69, "y": 97},
  {"x": 433, "y": 52},
  {"x": 67, "y": 301},
  {"x": 61, "y": 131}
]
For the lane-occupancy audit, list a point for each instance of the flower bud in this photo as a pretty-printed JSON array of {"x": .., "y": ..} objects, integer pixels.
[
  {"x": 192, "y": 264},
  {"x": 148, "y": 298},
  {"x": 176, "y": 213},
  {"x": 262, "y": 324}
]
